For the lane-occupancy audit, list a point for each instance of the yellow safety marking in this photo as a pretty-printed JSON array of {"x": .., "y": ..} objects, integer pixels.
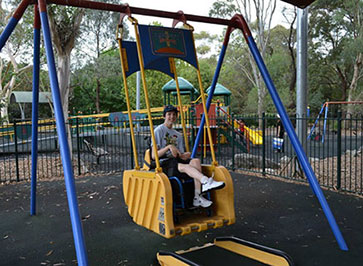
[
  {"x": 253, "y": 253},
  {"x": 143, "y": 174},
  {"x": 204, "y": 106},
  {"x": 119, "y": 39},
  {"x": 166, "y": 260},
  {"x": 142, "y": 70},
  {"x": 172, "y": 65},
  {"x": 124, "y": 56}
]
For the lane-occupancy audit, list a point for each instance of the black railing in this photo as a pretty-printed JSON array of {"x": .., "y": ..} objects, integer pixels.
[{"x": 99, "y": 147}]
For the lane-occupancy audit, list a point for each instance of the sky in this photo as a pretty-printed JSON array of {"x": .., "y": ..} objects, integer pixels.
[{"x": 193, "y": 7}]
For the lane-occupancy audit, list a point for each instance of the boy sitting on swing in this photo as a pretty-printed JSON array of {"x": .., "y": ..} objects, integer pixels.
[{"x": 170, "y": 144}]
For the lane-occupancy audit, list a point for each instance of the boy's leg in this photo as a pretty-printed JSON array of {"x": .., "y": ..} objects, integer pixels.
[
  {"x": 198, "y": 200},
  {"x": 196, "y": 164},
  {"x": 191, "y": 171},
  {"x": 208, "y": 183}
]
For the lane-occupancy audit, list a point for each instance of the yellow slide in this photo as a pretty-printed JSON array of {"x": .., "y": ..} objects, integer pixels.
[{"x": 254, "y": 136}]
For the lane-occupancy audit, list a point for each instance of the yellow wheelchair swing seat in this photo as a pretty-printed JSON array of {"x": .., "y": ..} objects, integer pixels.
[{"x": 149, "y": 197}]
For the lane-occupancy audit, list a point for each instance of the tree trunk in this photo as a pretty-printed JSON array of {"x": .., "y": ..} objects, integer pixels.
[
  {"x": 264, "y": 12},
  {"x": 64, "y": 37},
  {"x": 7, "y": 89},
  {"x": 354, "y": 83},
  {"x": 5, "y": 100},
  {"x": 64, "y": 76},
  {"x": 98, "y": 90}
]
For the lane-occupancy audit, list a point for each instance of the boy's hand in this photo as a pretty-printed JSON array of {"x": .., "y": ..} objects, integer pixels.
[
  {"x": 185, "y": 155},
  {"x": 174, "y": 151}
]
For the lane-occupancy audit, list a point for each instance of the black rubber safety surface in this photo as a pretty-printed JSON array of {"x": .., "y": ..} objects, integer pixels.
[{"x": 273, "y": 213}]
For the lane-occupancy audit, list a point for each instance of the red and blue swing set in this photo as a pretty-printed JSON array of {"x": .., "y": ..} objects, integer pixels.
[
  {"x": 237, "y": 22},
  {"x": 325, "y": 107}
]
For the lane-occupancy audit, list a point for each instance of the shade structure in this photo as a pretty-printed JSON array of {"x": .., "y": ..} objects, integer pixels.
[
  {"x": 186, "y": 88},
  {"x": 220, "y": 90},
  {"x": 184, "y": 85},
  {"x": 27, "y": 97},
  {"x": 184, "y": 92}
]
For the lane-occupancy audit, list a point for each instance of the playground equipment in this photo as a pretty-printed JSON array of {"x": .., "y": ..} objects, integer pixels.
[
  {"x": 325, "y": 107},
  {"x": 228, "y": 251},
  {"x": 148, "y": 194},
  {"x": 220, "y": 90},
  {"x": 25, "y": 97},
  {"x": 185, "y": 87},
  {"x": 41, "y": 20},
  {"x": 246, "y": 133}
]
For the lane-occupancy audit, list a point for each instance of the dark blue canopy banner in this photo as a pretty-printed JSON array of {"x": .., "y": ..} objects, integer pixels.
[
  {"x": 131, "y": 60},
  {"x": 160, "y": 42}
]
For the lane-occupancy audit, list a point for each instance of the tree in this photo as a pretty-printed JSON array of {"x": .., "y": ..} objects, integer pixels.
[
  {"x": 111, "y": 97},
  {"x": 337, "y": 29},
  {"x": 290, "y": 40},
  {"x": 98, "y": 35},
  {"x": 257, "y": 13},
  {"x": 65, "y": 28},
  {"x": 13, "y": 62}
]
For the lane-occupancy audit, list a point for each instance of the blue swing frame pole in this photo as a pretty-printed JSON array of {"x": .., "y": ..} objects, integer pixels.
[
  {"x": 325, "y": 118},
  {"x": 34, "y": 152},
  {"x": 212, "y": 89},
  {"x": 13, "y": 21},
  {"x": 63, "y": 142},
  {"x": 295, "y": 142},
  {"x": 316, "y": 121}
]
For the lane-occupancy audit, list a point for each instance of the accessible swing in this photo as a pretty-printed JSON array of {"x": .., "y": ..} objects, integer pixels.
[{"x": 148, "y": 192}]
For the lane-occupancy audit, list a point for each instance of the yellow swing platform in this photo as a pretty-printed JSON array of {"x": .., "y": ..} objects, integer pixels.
[
  {"x": 148, "y": 193},
  {"x": 226, "y": 251}
]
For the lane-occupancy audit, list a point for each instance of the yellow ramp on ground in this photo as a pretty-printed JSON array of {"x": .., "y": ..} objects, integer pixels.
[
  {"x": 254, "y": 136},
  {"x": 226, "y": 251}
]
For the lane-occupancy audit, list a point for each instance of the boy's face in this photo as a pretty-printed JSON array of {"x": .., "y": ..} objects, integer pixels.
[{"x": 171, "y": 117}]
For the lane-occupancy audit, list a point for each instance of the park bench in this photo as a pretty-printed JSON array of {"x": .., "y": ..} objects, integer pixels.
[{"x": 96, "y": 151}]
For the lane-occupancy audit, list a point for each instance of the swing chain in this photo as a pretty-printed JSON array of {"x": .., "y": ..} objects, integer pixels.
[{"x": 133, "y": 20}]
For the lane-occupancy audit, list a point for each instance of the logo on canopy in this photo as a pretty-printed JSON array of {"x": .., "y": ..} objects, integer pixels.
[
  {"x": 163, "y": 42},
  {"x": 167, "y": 41}
]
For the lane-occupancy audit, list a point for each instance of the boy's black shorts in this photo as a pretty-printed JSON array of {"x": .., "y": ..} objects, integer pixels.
[{"x": 170, "y": 166}]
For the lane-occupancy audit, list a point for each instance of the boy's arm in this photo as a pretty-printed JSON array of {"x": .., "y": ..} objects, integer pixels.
[{"x": 161, "y": 151}]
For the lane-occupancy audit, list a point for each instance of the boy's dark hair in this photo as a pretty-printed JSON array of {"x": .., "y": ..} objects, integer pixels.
[{"x": 170, "y": 108}]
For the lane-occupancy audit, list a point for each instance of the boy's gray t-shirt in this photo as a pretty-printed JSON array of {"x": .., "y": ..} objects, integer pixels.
[{"x": 165, "y": 136}]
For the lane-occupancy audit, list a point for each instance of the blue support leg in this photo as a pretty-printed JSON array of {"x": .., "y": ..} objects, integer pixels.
[
  {"x": 13, "y": 21},
  {"x": 296, "y": 143},
  {"x": 316, "y": 121},
  {"x": 325, "y": 118},
  {"x": 63, "y": 143},
  {"x": 7, "y": 31},
  {"x": 34, "y": 152},
  {"x": 210, "y": 96}
]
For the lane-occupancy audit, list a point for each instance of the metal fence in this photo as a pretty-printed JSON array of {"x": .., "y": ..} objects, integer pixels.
[{"x": 101, "y": 147}]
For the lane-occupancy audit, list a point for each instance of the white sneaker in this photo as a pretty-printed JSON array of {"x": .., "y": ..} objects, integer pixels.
[
  {"x": 200, "y": 201},
  {"x": 212, "y": 184}
]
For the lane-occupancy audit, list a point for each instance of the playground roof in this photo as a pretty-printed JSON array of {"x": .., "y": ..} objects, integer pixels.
[
  {"x": 220, "y": 90},
  {"x": 183, "y": 85},
  {"x": 27, "y": 97},
  {"x": 185, "y": 92},
  {"x": 299, "y": 3}
]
